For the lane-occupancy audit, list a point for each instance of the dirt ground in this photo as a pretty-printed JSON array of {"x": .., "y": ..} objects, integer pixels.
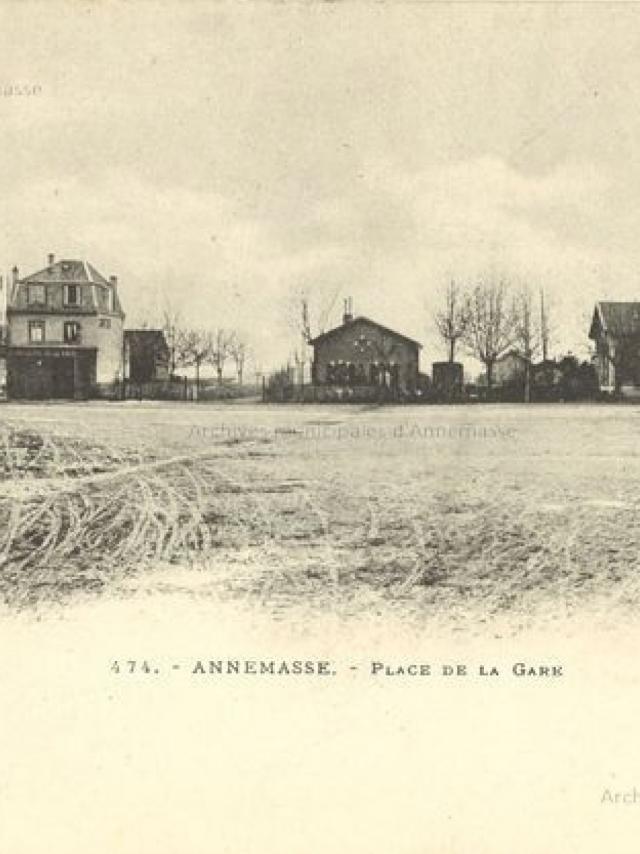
[{"x": 464, "y": 516}]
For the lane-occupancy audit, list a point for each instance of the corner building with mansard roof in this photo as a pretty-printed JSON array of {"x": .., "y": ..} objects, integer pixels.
[{"x": 65, "y": 332}]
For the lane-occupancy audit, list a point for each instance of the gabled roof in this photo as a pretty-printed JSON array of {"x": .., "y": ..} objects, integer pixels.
[
  {"x": 511, "y": 354},
  {"x": 362, "y": 319},
  {"x": 620, "y": 319},
  {"x": 67, "y": 271}
]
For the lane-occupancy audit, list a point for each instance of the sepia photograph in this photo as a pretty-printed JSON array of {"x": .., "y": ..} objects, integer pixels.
[{"x": 319, "y": 427}]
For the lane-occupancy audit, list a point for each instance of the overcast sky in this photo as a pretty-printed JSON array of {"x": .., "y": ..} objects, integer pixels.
[{"x": 224, "y": 154}]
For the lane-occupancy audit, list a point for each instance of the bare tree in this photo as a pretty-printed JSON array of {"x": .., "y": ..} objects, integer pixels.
[
  {"x": 194, "y": 348},
  {"x": 452, "y": 321},
  {"x": 529, "y": 335},
  {"x": 221, "y": 341},
  {"x": 307, "y": 312},
  {"x": 532, "y": 332},
  {"x": 238, "y": 350},
  {"x": 545, "y": 332},
  {"x": 308, "y": 309},
  {"x": 298, "y": 316},
  {"x": 172, "y": 328},
  {"x": 491, "y": 328}
]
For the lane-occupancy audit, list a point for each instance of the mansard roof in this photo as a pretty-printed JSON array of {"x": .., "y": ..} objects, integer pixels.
[{"x": 67, "y": 271}]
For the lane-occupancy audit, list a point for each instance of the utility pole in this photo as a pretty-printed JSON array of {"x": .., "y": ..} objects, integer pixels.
[
  {"x": 526, "y": 334},
  {"x": 543, "y": 328}
]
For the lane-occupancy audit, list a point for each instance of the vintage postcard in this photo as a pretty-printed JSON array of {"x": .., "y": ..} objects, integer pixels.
[{"x": 319, "y": 427}]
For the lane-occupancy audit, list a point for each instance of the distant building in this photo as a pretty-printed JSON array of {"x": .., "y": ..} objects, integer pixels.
[
  {"x": 615, "y": 330},
  {"x": 64, "y": 331},
  {"x": 146, "y": 355},
  {"x": 362, "y": 352},
  {"x": 546, "y": 374},
  {"x": 509, "y": 369},
  {"x": 4, "y": 337}
]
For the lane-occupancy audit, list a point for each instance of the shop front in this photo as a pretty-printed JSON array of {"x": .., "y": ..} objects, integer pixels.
[{"x": 50, "y": 373}]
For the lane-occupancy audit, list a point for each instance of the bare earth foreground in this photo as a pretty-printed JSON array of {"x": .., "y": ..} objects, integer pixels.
[{"x": 457, "y": 516}]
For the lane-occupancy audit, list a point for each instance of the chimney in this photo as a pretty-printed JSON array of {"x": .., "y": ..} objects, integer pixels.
[
  {"x": 347, "y": 317},
  {"x": 15, "y": 274},
  {"x": 51, "y": 258},
  {"x": 114, "y": 280}
]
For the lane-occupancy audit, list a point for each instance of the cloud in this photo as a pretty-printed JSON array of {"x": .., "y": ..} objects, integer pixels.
[
  {"x": 390, "y": 240},
  {"x": 225, "y": 158}
]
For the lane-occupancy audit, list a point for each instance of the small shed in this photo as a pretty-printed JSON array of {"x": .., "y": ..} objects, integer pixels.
[
  {"x": 448, "y": 379},
  {"x": 146, "y": 355}
]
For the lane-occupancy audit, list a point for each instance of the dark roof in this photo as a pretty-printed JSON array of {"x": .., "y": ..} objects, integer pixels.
[
  {"x": 619, "y": 319},
  {"x": 144, "y": 333},
  {"x": 67, "y": 271},
  {"x": 146, "y": 338},
  {"x": 362, "y": 319}
]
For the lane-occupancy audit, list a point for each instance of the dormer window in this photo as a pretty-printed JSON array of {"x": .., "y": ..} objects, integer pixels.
[
  {"x": 71, "y": 295},
  {"x": 36, "y": 294}
]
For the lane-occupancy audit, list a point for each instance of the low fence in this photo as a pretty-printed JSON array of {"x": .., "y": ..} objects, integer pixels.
[
  {"x": 179, "y": 389},
  {"x": 293, "y": 393}
]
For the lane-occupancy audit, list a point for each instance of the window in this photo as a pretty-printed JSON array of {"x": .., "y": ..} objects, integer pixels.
[
  {"x": 36, "y": 331},
  {"x": 36, "y": 294},
  {"x": 71, "y": 332},
  {"x": 104, "y": 323},
  {"x": 71, "y": 295}
]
